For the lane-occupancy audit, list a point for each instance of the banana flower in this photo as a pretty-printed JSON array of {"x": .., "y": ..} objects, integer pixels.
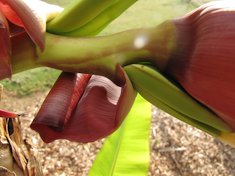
[{"x": 195, "y": 52}]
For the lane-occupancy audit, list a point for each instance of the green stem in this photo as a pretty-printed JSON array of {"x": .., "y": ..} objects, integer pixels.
[{"x": 101, "y": 55}]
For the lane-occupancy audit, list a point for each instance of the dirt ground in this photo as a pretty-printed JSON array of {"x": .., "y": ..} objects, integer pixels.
[{"x": 177, "y": 149}]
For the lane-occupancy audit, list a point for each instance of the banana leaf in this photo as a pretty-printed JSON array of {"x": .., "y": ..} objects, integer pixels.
[{"x": 127, "y": 151}]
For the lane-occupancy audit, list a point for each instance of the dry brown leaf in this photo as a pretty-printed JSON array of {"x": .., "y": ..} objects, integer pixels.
[{"x": 15, "y": 153}]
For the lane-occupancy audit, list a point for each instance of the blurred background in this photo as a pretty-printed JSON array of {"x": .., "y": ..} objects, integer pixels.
[{"x": 176, "y": 148}]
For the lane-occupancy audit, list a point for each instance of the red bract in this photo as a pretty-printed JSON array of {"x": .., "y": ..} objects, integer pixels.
[
  {"x": 19, "y": 13},
  {"x": 204, "y": 61},
  {"x": 83, "y": 108}
]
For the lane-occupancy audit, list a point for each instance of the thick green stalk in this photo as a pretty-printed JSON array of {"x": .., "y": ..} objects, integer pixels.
[
  {"x": 96, "y": 55},
  {"x": 101, "y": 55}
]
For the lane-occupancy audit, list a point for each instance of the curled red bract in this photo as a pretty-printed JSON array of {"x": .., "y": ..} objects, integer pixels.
[{"x": 83, "y": 108}]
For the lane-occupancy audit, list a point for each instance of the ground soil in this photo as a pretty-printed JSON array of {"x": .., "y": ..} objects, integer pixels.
[{"x": 177, "y": 149}]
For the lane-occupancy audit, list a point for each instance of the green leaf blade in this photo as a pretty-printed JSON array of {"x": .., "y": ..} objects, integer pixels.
[{"x": 126, "y": 151}]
